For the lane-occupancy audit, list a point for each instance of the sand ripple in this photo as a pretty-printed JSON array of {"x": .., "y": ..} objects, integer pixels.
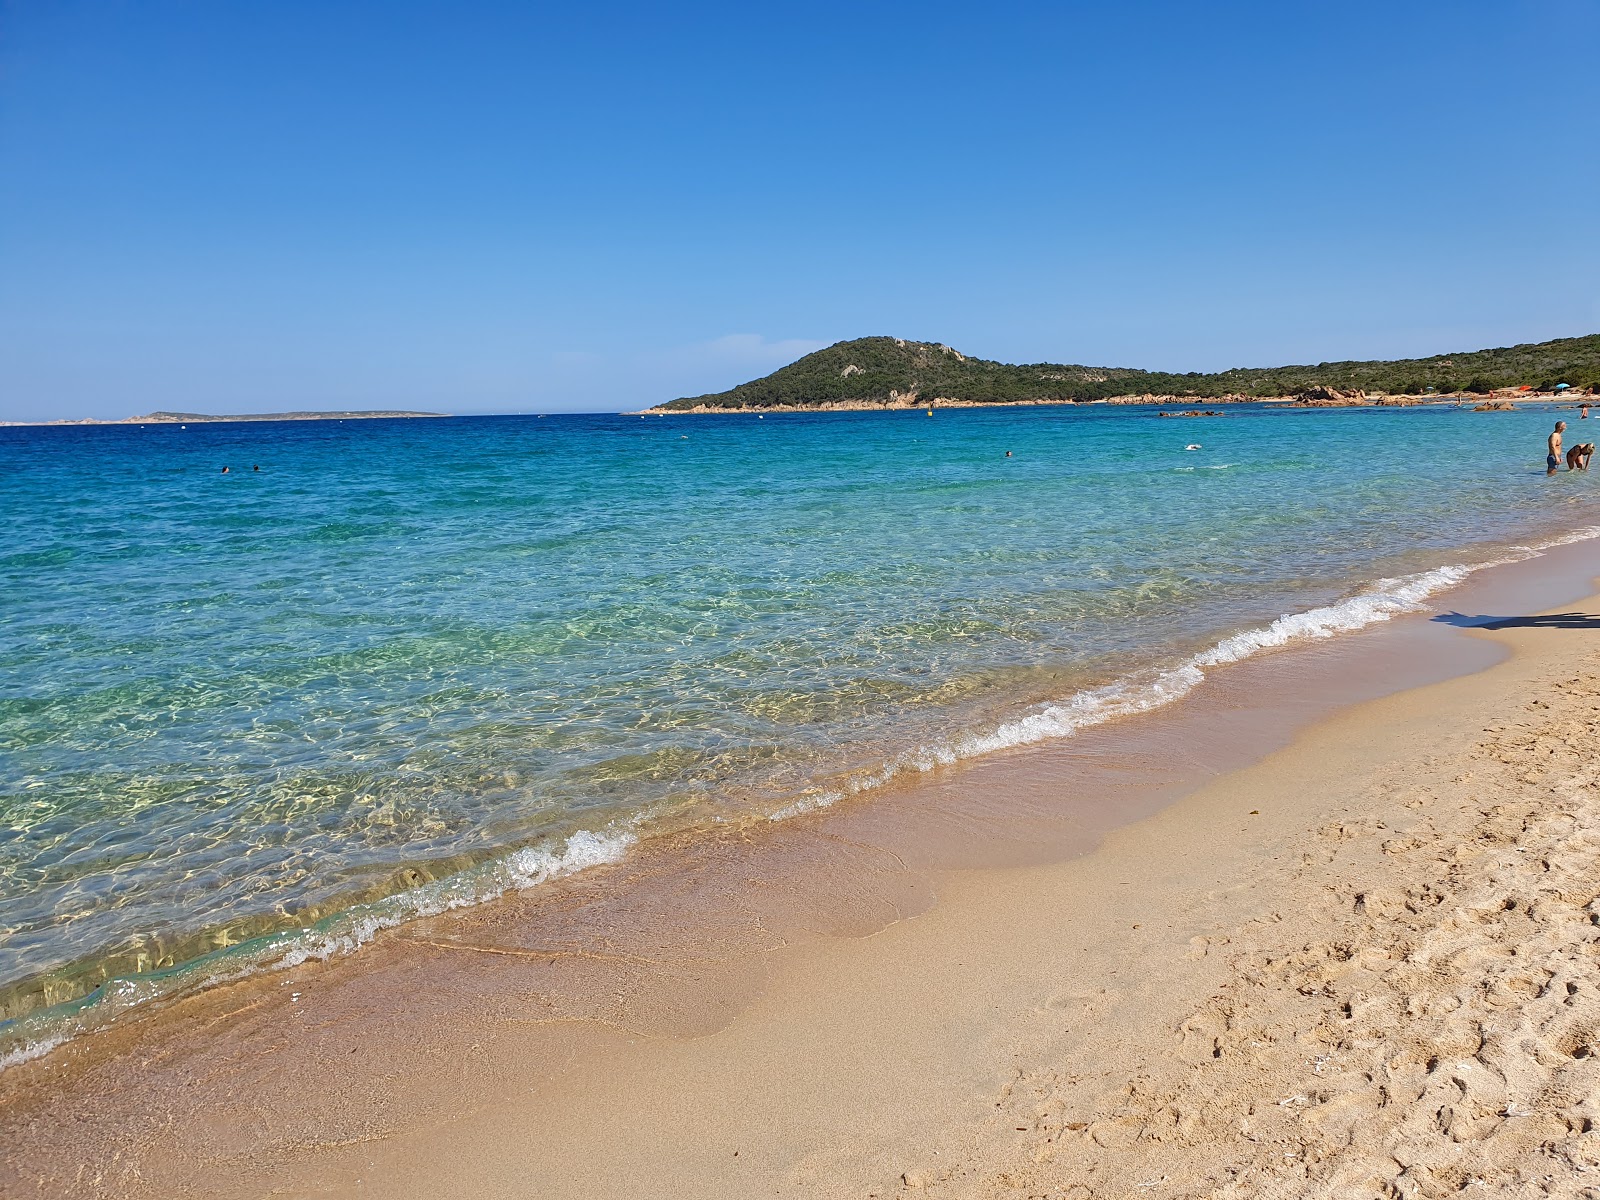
[{"x": 1443, "y": 1036}]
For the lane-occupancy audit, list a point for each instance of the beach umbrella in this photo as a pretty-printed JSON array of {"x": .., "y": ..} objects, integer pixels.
[{"x": 1561, "y": 387}]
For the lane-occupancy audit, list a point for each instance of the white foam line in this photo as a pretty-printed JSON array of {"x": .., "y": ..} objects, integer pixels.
[
  {"x": 524, "y": 868},
  {"x": 348, "y": 931},
  {"x": 533, "y": 865},
  {"x": 34, "y": 1049},
  {"x": 1379, "y": 601}
]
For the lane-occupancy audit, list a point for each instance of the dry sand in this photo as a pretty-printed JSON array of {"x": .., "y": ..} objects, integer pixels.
[{"x": 1368, "y": 965}]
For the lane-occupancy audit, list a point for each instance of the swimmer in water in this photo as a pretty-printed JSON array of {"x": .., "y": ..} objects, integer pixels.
[
  {"x": 224, "y": 470},
  {"x": 1008, "y": 454},
  {"x": 1578, "y": 457},
  {"x": 1552, "y": 458}
]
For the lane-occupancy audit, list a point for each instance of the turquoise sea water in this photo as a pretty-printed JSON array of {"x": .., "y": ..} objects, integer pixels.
[{"x": 428, "y": 660}]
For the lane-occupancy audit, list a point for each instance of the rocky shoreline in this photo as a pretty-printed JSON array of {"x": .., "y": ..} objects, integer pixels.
[{"x": 1320, "y": 397}]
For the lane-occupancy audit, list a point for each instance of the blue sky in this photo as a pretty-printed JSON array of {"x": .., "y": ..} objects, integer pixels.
[{"x": 485, "y": 207}]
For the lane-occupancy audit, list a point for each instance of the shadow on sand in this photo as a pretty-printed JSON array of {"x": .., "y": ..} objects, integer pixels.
[{"x": 1566, "y": 620}]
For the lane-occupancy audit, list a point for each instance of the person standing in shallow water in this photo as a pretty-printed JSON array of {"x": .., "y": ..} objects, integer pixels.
[{"x": 1552, "y": 458}]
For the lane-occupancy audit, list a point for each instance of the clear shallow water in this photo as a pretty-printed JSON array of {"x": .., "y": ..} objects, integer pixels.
[{"x": 488, "y": 650}]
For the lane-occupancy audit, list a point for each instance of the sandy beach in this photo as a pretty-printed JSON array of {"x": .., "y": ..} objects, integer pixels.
[
  {"x": 1098, "y": 698},
  {"x": 1349, "y": 953},
  {"x": 1365, "y": 966}
]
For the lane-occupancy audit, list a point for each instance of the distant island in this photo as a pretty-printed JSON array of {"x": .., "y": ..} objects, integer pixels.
[
  {"x": 177, "y": 418},
  {"x": 887, "y": 372}
]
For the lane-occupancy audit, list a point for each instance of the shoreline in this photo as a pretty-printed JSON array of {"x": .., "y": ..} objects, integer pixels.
[
  {"x": 349, "y": 927},
  {"x": 902, "y": 404},
  {"x": 937, "y": 825},
  {"x": 1375, "y": 400},
  {"x": 163, "y": 418}
]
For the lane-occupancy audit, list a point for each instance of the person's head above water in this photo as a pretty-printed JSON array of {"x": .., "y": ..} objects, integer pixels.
[{"x": 1560, "y": 425}]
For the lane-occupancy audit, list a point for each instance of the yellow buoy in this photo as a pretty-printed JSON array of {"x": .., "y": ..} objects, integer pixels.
[{"x": 930, "y": 412}]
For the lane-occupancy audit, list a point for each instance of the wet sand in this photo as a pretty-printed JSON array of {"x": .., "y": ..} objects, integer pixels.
[{"x": 1244, "y": 943}]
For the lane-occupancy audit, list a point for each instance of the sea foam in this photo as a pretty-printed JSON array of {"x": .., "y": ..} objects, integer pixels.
[
  {"x": 1378, "y": 601},
  {"x": 39, "y": 1033}
]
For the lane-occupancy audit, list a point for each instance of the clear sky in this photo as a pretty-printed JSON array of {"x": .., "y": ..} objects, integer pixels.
[{"x": 513, "y": 207}]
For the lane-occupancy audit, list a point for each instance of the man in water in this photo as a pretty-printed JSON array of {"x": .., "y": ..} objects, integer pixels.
[
  {"x": 1578, "y": 457},
  {"x": 1552, "y": 459}
]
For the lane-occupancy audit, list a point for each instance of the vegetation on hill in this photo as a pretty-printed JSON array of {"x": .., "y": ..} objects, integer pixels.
[{"x": 886, "y": 370}]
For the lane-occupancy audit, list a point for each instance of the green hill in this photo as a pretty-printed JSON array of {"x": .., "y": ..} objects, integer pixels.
[{"x": 884, "y": 370}]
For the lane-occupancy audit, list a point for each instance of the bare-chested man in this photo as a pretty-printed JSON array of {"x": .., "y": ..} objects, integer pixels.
[
  {"x": 1552, "y": 459},
  {"x": 1578, "y": 457}
]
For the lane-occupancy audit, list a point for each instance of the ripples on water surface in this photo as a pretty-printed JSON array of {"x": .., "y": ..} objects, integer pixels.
[{"x": 230, "y": 704}]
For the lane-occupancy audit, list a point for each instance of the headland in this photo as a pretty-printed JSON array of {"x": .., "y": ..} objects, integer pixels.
[{"x": 878, "y": 373}]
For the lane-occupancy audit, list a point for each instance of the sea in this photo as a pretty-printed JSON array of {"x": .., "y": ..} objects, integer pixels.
[{"x": 267, "y": 688}]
